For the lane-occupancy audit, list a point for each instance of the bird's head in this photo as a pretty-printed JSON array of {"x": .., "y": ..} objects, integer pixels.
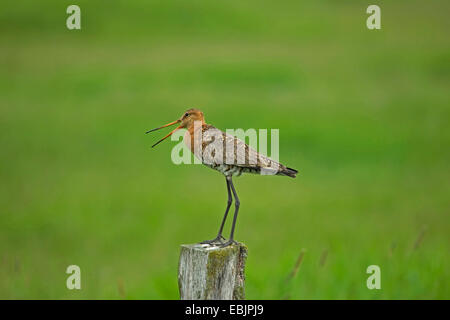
[
  {"x": 190, "y": 116},
  {"x": 187, "y": 121}
]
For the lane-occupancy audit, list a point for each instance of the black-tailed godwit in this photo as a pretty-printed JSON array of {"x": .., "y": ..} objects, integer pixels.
[{"x": 226, "y": 154}]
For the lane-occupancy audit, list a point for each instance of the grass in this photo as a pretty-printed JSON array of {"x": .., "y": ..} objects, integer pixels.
[{"x": 363, "y": 115}]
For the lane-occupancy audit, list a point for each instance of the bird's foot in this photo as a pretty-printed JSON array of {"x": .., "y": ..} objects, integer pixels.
[
  {"x": 217, "y": 240},
  {"x": 228, "y": 243}
]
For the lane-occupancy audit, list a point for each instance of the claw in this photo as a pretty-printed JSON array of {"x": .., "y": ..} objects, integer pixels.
[
  {"x": 216, "y": 240},
  {"x": 228, "y": 243}
]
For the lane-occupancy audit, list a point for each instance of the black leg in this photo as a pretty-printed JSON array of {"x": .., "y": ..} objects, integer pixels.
[
  {"x": 230, "y": 200},
  {"x": 219, "y": 237},
  {"x": 237, "y": 204}
]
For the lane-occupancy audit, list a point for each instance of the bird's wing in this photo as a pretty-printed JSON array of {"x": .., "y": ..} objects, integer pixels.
[{"x": 219, "y": 148}]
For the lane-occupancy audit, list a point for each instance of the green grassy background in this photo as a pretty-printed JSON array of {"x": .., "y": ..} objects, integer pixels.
[{"x": 364, "y": 115}]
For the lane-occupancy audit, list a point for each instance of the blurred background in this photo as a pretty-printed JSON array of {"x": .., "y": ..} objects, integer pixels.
[{"x": 363, "y": 115}]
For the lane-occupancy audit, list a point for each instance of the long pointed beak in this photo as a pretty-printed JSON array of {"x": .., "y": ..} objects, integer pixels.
[{"x": 167, "y": 125}]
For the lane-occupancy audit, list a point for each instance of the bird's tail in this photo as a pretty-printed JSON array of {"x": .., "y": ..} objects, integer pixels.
[{"x": 289, "y": 172}]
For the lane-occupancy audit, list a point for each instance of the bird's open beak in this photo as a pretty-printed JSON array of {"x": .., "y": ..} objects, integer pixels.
[{"x": 167, "y": 125}]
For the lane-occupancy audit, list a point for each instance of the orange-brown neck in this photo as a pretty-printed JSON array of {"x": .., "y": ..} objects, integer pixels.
[
  {"x": 194, "y": 125},
  {"x": 194, "y": 132}
]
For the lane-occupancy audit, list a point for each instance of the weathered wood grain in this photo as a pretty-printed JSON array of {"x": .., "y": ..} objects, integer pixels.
[{"x": 211, "y": 273}]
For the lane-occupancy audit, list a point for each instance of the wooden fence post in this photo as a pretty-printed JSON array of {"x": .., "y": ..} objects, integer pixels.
[{"x": 211, "y": 273}]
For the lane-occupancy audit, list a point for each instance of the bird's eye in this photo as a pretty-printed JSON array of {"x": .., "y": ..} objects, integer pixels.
[{"x": 186, "y": 114}]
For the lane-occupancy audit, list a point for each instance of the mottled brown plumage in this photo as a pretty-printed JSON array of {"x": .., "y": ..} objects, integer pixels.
[{"x": 223, "y": 152}]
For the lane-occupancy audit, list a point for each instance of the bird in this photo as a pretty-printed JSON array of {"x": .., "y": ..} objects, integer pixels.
[{"x": 224, "y": 153}]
